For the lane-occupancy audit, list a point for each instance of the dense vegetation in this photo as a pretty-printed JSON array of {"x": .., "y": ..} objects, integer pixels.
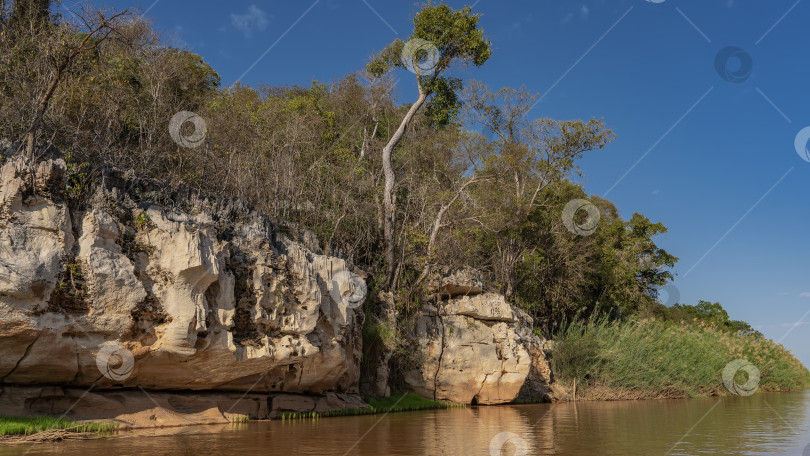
[
  {"x": 655, "y": 359},
  {"x": 462, "y": 176}
]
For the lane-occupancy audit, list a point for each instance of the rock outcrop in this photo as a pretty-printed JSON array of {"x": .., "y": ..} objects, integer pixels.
[
  {"x": 473, "y": 347},
  {"x": 449, "y": 282},
  {"x": 141, "y": 286}
]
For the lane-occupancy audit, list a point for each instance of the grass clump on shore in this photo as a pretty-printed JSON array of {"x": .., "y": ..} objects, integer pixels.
[
  {"x": 407, "y": 403},
  {"x": 654, "y": 359},
  {"x": 13, "y": 425}
]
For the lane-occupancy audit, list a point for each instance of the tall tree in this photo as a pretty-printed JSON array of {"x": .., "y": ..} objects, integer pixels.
[{"x": 441, "y": 37}]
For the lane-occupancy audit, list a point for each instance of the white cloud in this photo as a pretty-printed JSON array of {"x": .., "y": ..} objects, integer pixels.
[
  {"x": 584, "y": 11},
  {"x": 254, "y": 19},
  {"x": 806, "y": 294}
]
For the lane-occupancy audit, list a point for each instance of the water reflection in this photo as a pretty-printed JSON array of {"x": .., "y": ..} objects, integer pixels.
[{"x": 763, "y": 424}]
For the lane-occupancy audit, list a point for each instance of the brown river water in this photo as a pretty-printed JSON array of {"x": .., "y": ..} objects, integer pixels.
[{"x": 763, "y": 424}]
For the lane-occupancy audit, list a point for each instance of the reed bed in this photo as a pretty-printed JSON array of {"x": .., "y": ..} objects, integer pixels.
[{"x": 665, "y": 360}]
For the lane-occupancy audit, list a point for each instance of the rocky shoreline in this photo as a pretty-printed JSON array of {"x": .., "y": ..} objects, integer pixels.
[{"x": 170, "y": 307}]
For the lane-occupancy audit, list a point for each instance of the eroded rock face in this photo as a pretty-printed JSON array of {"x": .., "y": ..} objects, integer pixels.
[
  {"x": 452, "y": 282},
  {"x": 200, "y": 294},
  {"x": 537, "y": 387},
  {"x": 473, "y": 350}
]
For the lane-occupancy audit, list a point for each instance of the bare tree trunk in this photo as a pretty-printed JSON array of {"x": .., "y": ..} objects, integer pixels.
[
  {"x": 367, "y": 139},
  {"x": 437, "y": 225},
  {"x": 389, "y": 202},
  {"x": 42, "y": 106}
]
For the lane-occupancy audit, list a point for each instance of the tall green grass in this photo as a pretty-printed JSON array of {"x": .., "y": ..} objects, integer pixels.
[
  {"x": 12, "y": 425},
  {"x": 666, "y": 359},
  {"x": 407, "y": 403}
]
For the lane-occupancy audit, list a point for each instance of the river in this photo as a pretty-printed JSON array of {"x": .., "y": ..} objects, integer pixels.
[{"x": 763, "y": 424}]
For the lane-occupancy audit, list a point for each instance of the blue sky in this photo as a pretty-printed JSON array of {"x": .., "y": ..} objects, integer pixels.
[{"x": 712, "y": 159}]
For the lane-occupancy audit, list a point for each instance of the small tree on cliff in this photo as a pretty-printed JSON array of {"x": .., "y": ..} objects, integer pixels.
[{"x": 441, "y": 37}]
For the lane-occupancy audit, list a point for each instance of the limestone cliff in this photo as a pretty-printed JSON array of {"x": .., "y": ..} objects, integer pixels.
[{"x": 142, "y": 286}]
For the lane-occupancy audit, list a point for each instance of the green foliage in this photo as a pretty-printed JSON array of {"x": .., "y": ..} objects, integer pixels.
[
  {"x": 395, "y": 403},
  {"x": 142, "y": 220},
  {"x": 710, "y": 313},
  {"x": 408, "y": 402},
  {"x": 456, "y": 34},
  {"x": 77, "y": 176},
  {"x": 458, "y": 39},
  {"x": 387, "y": 59},
  {"x": 239, "y": 419},
  {"x": 443, "y": 107},
  {"x": 557, "y": 275},
  {"x": 10, "y": 425},
  {"x": 74, "y": 268},
  {"x": 662, "y": 359},
  {"x": 387, "y": 333}
]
